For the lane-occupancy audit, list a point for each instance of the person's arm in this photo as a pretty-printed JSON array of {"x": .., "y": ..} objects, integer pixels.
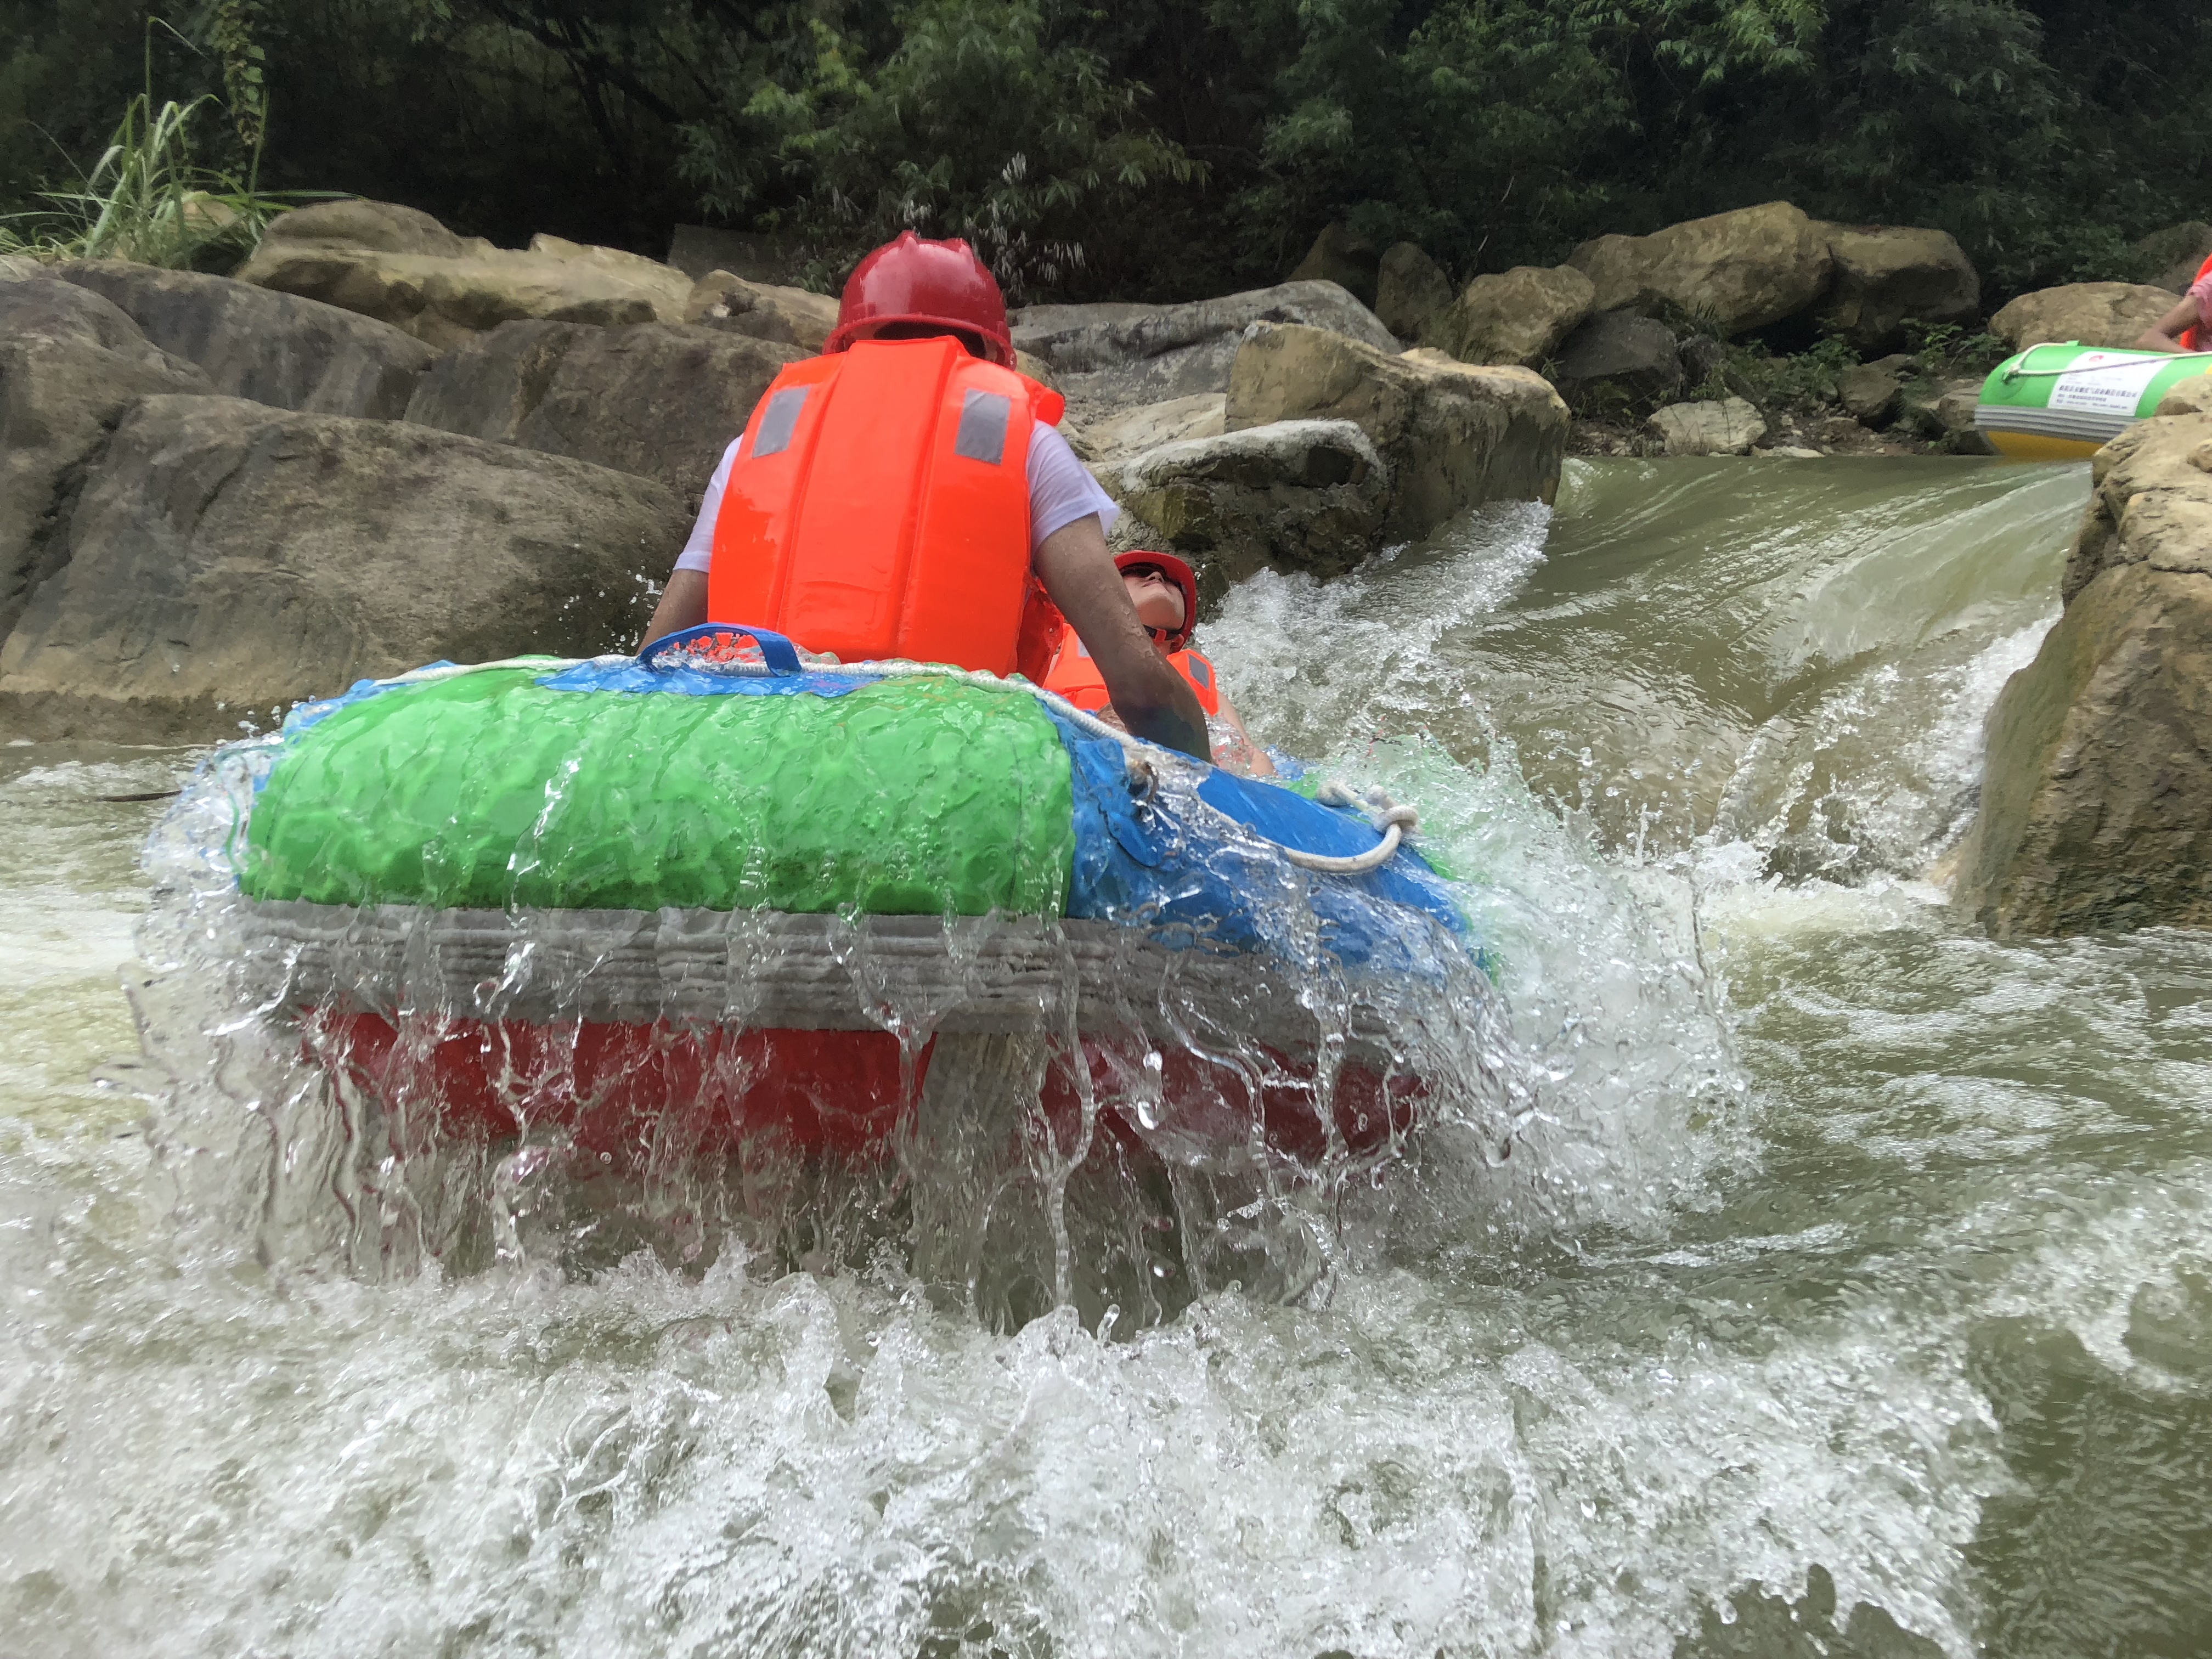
[
  {"x": 2166, "y": 335},
  {"x": 682, "y": 605},
  {"x": 1256, "y": 764},
  {"x": 684, "y": 601},
  {"x": 1151, "y": 697}
]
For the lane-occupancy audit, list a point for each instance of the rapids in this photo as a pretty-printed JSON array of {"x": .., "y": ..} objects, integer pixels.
[{"x": 1839, "y": 1282}]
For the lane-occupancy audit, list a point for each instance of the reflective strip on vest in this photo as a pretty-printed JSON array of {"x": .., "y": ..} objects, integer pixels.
[{"x": 880, "y": 508}]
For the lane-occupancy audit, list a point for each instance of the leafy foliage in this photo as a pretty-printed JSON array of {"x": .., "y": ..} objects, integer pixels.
[{"x": 1165, "y": 148}]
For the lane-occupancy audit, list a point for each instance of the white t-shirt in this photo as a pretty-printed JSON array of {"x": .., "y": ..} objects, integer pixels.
[{"x": 1062, "y": 490}]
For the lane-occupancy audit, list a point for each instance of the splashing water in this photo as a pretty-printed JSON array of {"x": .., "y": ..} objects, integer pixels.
[{"x": 1831, "y": 1280}]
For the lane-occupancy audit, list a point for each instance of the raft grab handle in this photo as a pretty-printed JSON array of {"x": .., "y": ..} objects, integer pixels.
[{"x": 777, "y": 653}]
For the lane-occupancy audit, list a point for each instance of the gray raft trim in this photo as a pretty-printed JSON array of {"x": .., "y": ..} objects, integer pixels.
[
  {"x": 773, "y": 970},
  {"x": 2083, "y": 424}
]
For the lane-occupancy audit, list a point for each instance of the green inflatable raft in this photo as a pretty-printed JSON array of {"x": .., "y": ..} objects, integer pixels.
[
  {"x": 2064, "y": 403},
  {"x": 597, "y": 891}
]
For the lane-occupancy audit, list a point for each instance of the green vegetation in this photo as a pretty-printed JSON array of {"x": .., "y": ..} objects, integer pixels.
[
  {"x": 1157, "y": 149},
  {"x": 146, "y": 199}
]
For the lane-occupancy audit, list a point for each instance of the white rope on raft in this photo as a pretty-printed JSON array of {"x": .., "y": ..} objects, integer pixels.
[
  {"x": 1389, "y": 819},
  {"x": 2136, "y": 361}
]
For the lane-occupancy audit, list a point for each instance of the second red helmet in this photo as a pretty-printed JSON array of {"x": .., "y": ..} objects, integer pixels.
[
  {"x": 913, "y": 280},
  {"x": 1176, "y": 571}
]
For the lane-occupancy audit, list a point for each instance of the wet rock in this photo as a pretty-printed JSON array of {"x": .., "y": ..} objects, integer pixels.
[
  {"x": 1109, "y": 359},
  {"x": 1729, "y": 427},
  {"x": 1618, "y": 362},
  {"x": 1870, "y": 393},
  {"x": 1410, "y": 289},
  {"x": 2093, "y": 313},
  {"x": 1517, "y": 316},
  {"x": 1453, "y": 434},
  {"x": 1295, "y": 495},
  {"x": 227, "y": 553},
  {"x": 789, "y": 316},
  {"x": 1175, "y": 421},
  {"x": 277, "y": 349},
  {"x": 406, "y": 269},
  {"x": 2097, "y": 807},
  {"x": 1887, "y": 276},
  {"x": 1338, "y": 255},
  {"x": 72, "y": 366},
  {"x": 1736, "y": 271},
  {"x": 2170, "y": 258},
  {"x": 659, "y": 401}
]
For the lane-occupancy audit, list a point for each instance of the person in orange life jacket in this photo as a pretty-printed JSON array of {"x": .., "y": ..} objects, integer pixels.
[
  {"x": 905, "y": 495},
  {"x": 1165, "y": 595},
  {"x": 2188, "y": 326}
]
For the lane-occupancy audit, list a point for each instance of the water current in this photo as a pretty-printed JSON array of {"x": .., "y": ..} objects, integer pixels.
[{"x": 1847, "y": 1290}]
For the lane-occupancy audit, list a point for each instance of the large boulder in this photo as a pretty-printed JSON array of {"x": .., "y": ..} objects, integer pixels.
[
  {"x": 1297, "y": 495},
  {"x": 1887, "y": 276},
  {"x": 406, "y": 269},
  {"x": 1617, "y": 362},
  {"x": 1410, "y": 289},
  {"x": 2170, "y": 258},
  {"x": 650, "y": 399},
  {"x": 2097, "y": 799},
  {"x": 1109, "y": 360},
  {"x": 1735, "y": 271},
  {"x": 1517, "y": 316},
  {"x": 1454, "y": 435},
  {"x": 229, "y": 557},
  {"x": 1869, "y": 392},
  {"x": 1942, "y": 409},
  {"x": 72, "y": 366},
  {"x": 1339, "y": 256},
  {"x": 766, "y": 311},
  {"x": 1727, "y": 426},
  {"x": 276, "y": 349},
  {"x": 2093, "y": 313},
  {"x": 1176, "y": 421}
]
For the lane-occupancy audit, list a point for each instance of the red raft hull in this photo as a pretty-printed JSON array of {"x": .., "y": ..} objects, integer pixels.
[{"x": 634, "y": 1091}]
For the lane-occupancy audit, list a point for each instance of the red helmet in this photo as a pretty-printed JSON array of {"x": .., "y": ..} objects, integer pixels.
[
  {"x": 1176, "y": 572},
  {"x": 914, "y": 281}
]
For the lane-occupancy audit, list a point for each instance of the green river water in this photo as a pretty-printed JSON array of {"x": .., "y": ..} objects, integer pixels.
[{"x": 1847, "y": 1290}]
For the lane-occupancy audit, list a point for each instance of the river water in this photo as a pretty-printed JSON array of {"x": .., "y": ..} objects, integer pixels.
[{"x": 1847, "y": 1289}]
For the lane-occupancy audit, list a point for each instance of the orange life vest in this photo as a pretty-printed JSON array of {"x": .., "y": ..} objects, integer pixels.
[
  {"x": 880, "y": 507},
  {"x": 1075, "y": 677},
  {"x": 2192, "y": 337}
]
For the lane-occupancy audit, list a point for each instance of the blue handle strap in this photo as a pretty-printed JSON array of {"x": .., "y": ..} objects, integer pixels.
[{"x": 780, "y": 655}]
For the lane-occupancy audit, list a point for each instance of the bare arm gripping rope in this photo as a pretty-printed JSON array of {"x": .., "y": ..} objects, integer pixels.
[{"x": 1392, "y": 821}]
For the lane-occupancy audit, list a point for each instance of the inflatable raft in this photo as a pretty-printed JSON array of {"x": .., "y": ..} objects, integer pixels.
[
  {"x": 716, "y": 893},
  {"x": 2064, "y": 403}
]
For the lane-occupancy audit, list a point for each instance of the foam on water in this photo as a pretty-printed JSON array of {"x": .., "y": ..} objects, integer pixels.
[{"x": 1831, "y": 1276}]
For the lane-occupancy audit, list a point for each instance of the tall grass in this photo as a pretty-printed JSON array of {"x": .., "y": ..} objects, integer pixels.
[{"x": 147, "y": 199}]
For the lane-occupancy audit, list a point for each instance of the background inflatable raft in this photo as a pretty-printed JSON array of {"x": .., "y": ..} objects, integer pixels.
[
  {"x": 2064, "y": 403},
  {"x": 694, "y": 900}
]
